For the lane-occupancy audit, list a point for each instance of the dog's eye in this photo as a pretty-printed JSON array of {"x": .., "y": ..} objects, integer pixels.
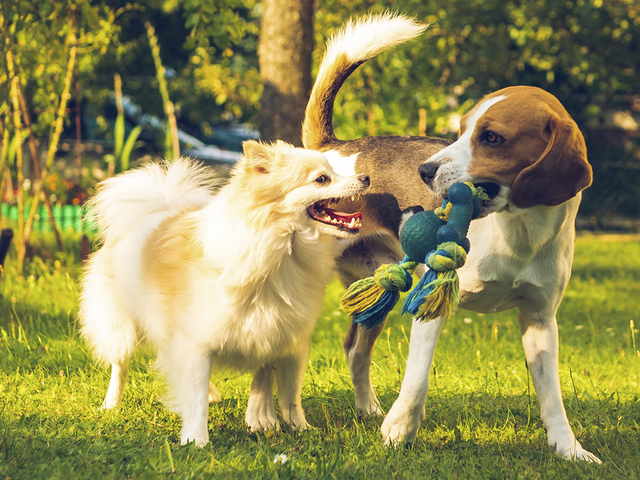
[
  {"x": 323, "y": 179},
  {"x": 492, "y": 138}
]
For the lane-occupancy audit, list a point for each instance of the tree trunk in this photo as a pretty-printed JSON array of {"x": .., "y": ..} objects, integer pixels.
[{"x": 285, "y": 48}]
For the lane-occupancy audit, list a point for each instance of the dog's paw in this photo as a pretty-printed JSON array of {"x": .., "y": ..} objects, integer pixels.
[
  {"x": 194, "y": 430},
  {"x": 200, "y": 442},
  {"x": 577, "y": 453},
  {"x": 294, "y": 418},
  {"x": 401, "y": 425},
  {"x": 299, "y": 426},
  {"x": 370, "y": 407},
  {"x": 367, "y": 402},
  {"x": 262, "y": 421},
  {"x": 564, "y": 444},
  {"x": 109, "y": 403},
  {"x": 214, "y": 395}
]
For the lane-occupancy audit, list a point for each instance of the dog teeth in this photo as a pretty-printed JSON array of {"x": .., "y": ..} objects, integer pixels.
[{"x": 322, "y": 214}]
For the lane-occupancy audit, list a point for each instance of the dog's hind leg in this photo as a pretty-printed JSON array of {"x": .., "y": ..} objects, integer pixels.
[
  {"x": 261, "y": 414},
  {"x": 108, "y": 328},
  {"x": 360, "y": 261},
  {"x": 358, "y": 347},
  {"x": 116, "y": 385},
  {"x": 540, "y": 341},
  {"x": 289, "y": 375},
  {"x": 214, "y": 395}
]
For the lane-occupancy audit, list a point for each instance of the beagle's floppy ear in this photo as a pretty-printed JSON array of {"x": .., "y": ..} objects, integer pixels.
[
  {"x": 258, "y": 157},
  {"x": 561, "y": 171}
]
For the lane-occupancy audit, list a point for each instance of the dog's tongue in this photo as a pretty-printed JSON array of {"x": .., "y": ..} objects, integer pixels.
[
  {"x": 324, "y": 214},
  {"x": 345, "y": 217}
]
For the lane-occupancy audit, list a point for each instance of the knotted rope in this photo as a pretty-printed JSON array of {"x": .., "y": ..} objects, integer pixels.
[{"x": 437, "y": 239}]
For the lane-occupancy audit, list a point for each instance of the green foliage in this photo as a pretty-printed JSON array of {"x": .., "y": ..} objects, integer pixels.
[
  {"x": 122, "y": 151},
  {"x": 473, "y": 47},
  {"x": 583, "y": 51},
  {"x": 208, "y": 49},
  {"x": 223, "y": 58},
  {"x": 119, "y": 160},
  {"x": 218, "y": 22},
  {"x": 128, "y": 147},
  {"x": 35, "y": 32},
  {"x": 482, "y": 416}
]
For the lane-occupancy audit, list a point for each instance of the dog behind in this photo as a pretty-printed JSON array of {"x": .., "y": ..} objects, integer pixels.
[
  {"x": 391, "y": 162},
  {"x": 217, "y": 280}
]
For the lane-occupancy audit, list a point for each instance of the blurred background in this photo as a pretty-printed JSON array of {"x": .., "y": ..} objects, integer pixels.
[{"x": 91, "y": 88}]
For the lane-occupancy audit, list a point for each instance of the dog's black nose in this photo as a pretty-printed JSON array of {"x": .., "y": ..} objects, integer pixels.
[
  {"x": 428, "y": 172},
  {"x": 364, "y": 179}
]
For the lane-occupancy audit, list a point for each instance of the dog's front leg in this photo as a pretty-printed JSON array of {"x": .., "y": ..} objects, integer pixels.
[
  {"x": 289, "y": 375},
  {"x": 540, "y": 341},
  {"x": 260, "y": 412},
  {"x": 358, "y": 347},
  {"x": 402, "y": 422}
]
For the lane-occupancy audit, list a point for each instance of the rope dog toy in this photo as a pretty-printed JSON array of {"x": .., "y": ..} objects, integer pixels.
[{"x": 439, "y": 240}]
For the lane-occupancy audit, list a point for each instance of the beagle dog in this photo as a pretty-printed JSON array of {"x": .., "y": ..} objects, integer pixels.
[{"x": 523, "y": 148}]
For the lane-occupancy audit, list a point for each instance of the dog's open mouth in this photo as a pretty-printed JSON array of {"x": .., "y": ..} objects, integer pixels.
[
  {"x": 491, "y": 189},
  {"x": 321, "y": 212}
]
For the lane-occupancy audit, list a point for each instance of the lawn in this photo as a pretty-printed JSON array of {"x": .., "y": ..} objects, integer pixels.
[{"x": 482, "y": 416}]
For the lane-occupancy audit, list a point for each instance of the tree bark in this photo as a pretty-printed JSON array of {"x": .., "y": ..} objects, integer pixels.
[{"x": 284, "y": 51}]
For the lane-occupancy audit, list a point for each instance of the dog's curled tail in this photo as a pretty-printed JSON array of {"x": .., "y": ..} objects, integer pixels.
[
  {"x": 357, "y": 42},
  {"x": 124, "y": 201}
]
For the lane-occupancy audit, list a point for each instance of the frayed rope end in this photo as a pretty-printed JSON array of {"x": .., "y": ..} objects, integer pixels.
[{"x": 370, "y": 300}]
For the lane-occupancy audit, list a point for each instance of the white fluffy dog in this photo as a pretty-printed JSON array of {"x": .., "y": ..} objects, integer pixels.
[{"x": 228, "y": 279}]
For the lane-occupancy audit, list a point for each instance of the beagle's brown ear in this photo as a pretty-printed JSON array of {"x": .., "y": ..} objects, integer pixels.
[{"x": 561, "y": 171}]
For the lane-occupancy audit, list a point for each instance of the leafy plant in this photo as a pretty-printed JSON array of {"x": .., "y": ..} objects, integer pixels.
[
  {"x": 172, "y": 142},
  {"x": 119, "y": 160},
  {"x": 68, "y": 29}
]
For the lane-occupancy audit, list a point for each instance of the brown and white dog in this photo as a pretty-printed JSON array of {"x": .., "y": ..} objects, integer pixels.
[
  {"x": 391, "y": 162},
  {"x": 524, "y": 148}
]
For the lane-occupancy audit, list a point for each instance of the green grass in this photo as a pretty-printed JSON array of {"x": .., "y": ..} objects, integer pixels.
[{"x": 482, "y": 414}]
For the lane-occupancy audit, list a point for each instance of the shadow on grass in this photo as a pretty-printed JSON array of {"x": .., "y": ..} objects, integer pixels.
[{"x": 462, "y": 436}]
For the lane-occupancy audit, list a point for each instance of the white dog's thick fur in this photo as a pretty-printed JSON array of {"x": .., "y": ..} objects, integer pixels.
[{"x": 233, "y": 279}]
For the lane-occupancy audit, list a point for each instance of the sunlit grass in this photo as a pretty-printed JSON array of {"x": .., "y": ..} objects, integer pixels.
[{"x": 482, "y": 414}]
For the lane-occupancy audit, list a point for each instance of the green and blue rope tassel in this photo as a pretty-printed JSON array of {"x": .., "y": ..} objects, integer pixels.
[{"x": 437, "y": 239}]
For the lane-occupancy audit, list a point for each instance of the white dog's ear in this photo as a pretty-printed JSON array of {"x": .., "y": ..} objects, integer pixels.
[{"x": 259, "y": 156}]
